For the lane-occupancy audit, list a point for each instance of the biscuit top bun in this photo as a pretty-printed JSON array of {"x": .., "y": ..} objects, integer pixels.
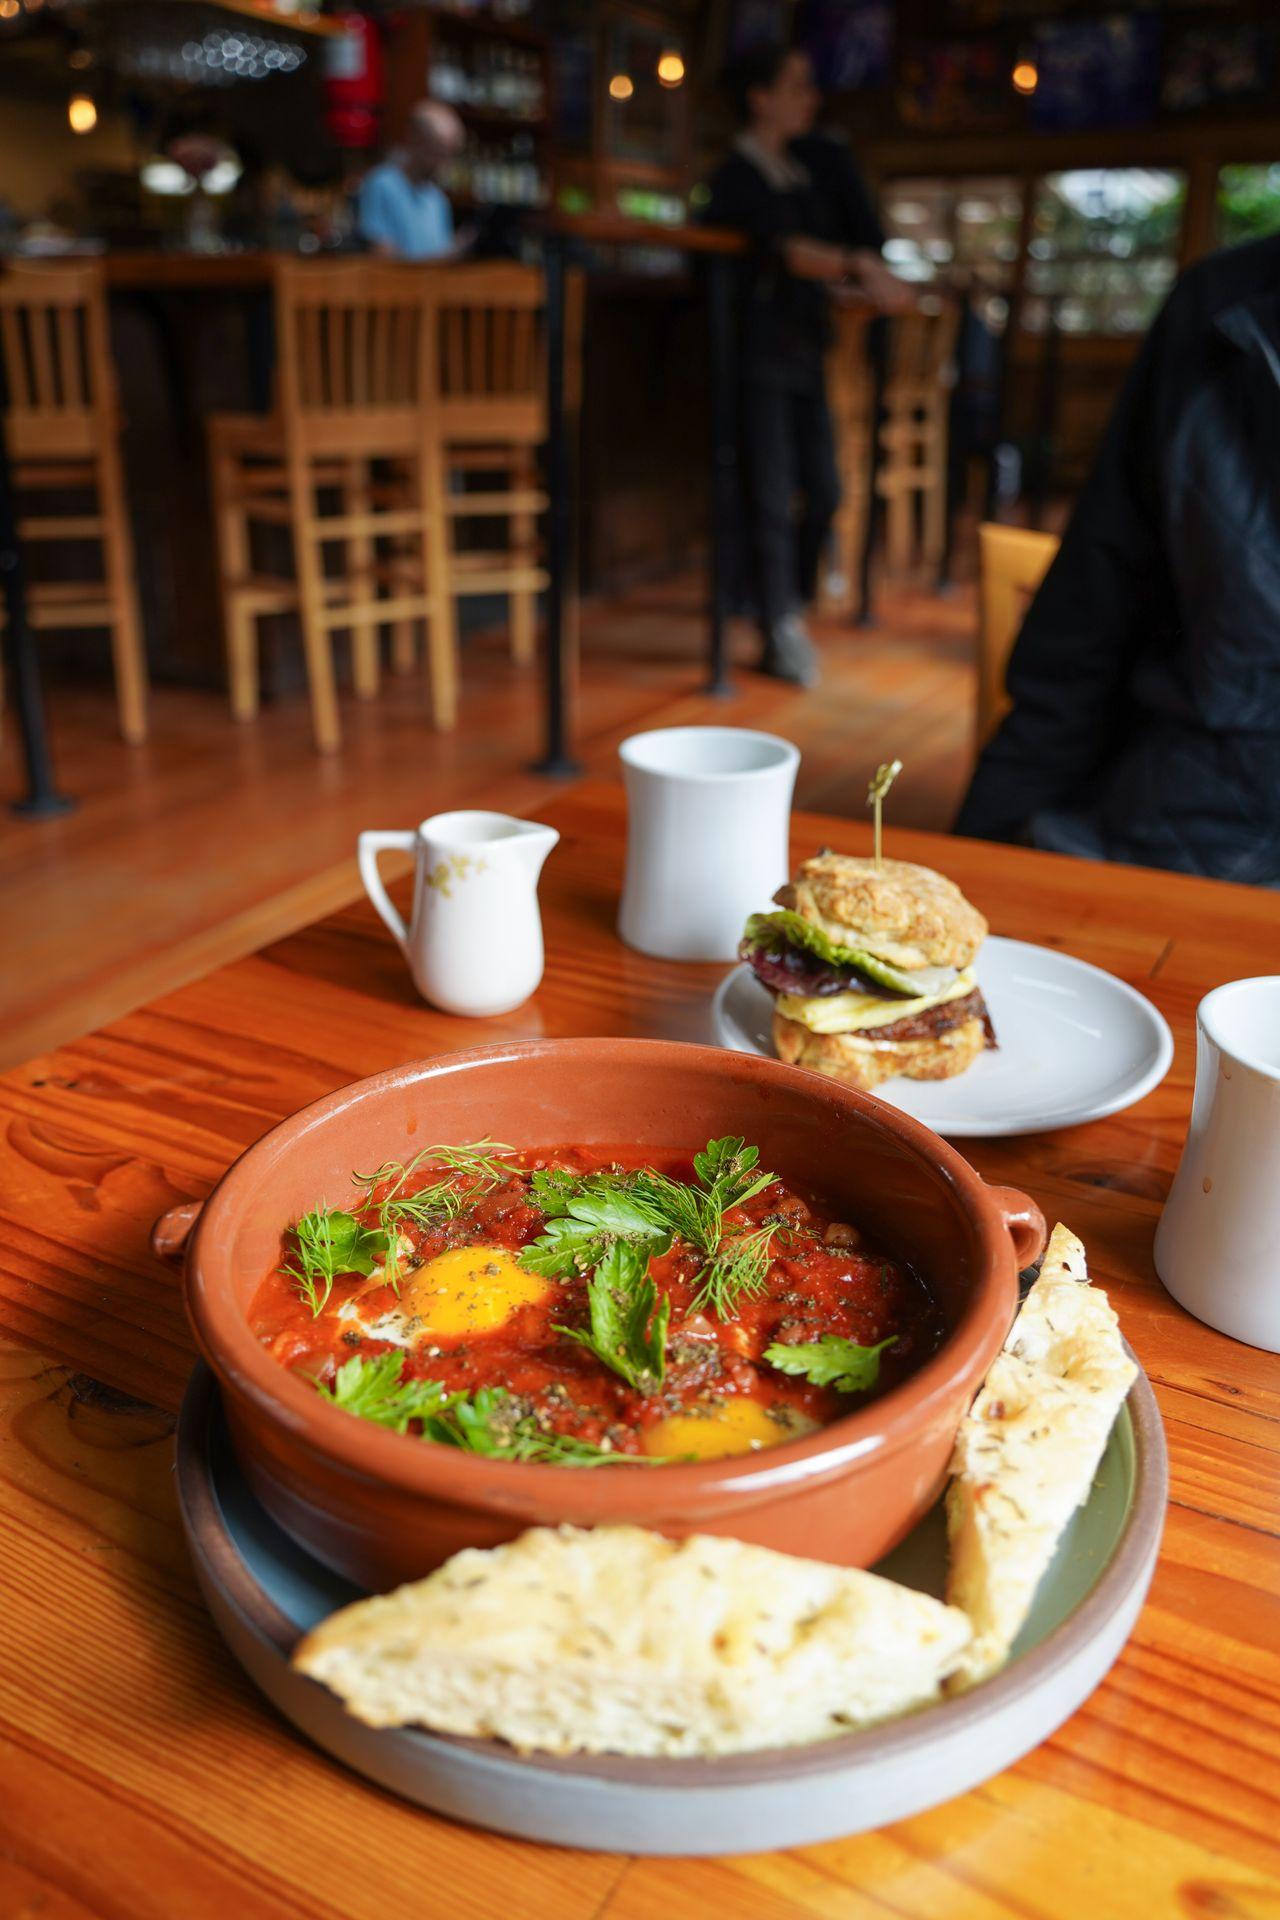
[{"x": 908, "y": 915}]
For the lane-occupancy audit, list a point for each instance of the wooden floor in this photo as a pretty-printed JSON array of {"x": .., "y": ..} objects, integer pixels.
[{"x": 214, "y": 838}]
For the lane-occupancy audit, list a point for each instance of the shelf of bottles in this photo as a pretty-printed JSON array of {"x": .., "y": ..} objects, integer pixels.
[
  {"x": 498, "y": 88},
  {"x": 490, "y": 81}
]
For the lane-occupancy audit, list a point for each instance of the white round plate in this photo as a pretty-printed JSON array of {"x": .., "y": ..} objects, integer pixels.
[{"x": 1075, "y": 1045}]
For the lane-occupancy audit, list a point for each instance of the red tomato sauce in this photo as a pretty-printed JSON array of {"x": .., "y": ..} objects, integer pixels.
[{"x": 823, "y": 1278}]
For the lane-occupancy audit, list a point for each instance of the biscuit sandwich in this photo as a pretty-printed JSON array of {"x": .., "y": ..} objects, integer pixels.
[{"x": 871, "y": 970}]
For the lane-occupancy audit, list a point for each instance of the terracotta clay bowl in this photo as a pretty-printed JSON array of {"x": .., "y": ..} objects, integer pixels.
[{"x": 380, "y": 1507}]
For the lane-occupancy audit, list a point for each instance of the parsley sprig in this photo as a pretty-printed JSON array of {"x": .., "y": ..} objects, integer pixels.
[
  {"x": 487, "y": 1422},
  {"x": 328, "y": 1242},
  {"x": 628, "y": 1330},
  {"x": 831, "y": 1362}
]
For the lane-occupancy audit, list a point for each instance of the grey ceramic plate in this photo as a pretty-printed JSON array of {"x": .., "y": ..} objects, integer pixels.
[{"x": 264, "y": 1592}]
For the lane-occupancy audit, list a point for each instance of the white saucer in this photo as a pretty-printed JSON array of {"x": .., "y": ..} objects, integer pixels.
[{"x": 1075, "y": 1044}]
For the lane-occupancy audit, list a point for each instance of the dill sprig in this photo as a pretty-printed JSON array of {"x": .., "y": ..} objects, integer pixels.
[
  {"x": 739, "y": 1269},
  {"x": 478, "y": 1165}
]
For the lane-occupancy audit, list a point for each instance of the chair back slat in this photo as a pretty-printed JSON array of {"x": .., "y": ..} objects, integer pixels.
[
  {"x": 54, "y": 349},
  {"x": 489, "y": 332},
  {"x": 350, "y": 342}
]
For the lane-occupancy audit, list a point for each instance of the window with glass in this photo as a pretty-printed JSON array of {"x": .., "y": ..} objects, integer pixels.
[
  {"x": 965, "y": 227},
  {"x": 1248, "y": 203},
  {"x": 1103, "y": 250}
]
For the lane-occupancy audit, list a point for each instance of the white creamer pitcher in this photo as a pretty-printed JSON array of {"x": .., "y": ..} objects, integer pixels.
[{"x": 474, "y": 944}]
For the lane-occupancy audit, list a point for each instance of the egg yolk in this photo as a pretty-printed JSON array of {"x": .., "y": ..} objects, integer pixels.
[
  {"x": 739, "y": 1425},
  {"x": 469, "y": 1290}
]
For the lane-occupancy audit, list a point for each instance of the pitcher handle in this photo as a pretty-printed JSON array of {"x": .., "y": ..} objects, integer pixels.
[
  {"x": 1028, "y": 1228},
  {"x": 368, "y": 847}
]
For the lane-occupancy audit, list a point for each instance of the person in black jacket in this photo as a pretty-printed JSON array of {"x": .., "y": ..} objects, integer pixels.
[
  {"x": 801, "y": 201},
  {"x": 1146, "y": 678}
]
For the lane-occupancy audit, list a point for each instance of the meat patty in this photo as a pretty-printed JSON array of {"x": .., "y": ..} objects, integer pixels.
[{"x": 936, "y": 1020}]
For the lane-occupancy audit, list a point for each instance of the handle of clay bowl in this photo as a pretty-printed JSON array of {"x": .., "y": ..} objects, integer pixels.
[
  {"x": 171, "y": 1231},
  {"x": 1027, "y": 1226}
]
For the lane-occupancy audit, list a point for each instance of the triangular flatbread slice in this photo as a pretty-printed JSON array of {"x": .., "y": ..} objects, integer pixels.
[
  {"x": 1027, "y": 1451},
  {"x": 621, "y": 1641}
]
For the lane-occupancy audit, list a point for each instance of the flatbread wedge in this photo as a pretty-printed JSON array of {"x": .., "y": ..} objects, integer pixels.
[
  {"x": 1027, "y": 1451},
  {"x": 618, "y": 1640}
]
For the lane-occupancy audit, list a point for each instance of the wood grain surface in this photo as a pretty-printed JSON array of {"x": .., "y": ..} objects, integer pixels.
[
  {"x": 164, "y": 871},
  {"x": 141, "y": 1776}
]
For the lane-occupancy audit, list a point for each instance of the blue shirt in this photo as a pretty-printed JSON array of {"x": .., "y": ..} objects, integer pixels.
[{"x": 413, "y": 218}]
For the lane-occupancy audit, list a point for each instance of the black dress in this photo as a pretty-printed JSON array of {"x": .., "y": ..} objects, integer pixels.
[{"x": 784, "y": 330}]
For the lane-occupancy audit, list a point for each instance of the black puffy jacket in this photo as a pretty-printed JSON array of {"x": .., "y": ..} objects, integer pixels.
[{"x": 1146, "y": 678}]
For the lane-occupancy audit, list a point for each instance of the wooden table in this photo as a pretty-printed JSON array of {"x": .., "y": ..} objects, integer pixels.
[{"x": 142, "y": 1778}]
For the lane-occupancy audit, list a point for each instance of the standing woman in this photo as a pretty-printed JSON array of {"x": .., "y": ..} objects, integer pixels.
[{"x": 800, "y": 202}]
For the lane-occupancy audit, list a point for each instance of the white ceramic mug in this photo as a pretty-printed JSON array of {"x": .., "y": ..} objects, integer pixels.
[
  {"x": 474, "y": 943},
  {"x": 708, "y": 810},
  {"x": 1217, "y": 1245}
]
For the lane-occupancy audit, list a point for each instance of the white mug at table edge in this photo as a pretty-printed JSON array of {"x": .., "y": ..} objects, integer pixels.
[
  {"x": 1217, "y": 1245},
  {"x": 474, "y": 940},
  {"x": 708, "y": 823}
]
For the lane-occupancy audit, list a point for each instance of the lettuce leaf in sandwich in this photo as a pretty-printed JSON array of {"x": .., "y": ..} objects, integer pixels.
[{"x": 774, "y": 932}]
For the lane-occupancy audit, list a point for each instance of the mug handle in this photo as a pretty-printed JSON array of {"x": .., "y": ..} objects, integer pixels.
[
  {"x": 368, "y": 847},
  {"x": 172, "y": 1230},
  {"x": 1027, "y": 1226}
]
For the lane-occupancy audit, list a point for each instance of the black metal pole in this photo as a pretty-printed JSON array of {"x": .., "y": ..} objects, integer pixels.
[
  {"x": 724, "y": 463},
  {"x": 557, "y": 761},
  {"x": 877, "y": 347},
  {"x": 42, "y": 798}
]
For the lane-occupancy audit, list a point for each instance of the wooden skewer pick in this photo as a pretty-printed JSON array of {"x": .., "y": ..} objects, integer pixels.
[{"x": 881, "y": 782}]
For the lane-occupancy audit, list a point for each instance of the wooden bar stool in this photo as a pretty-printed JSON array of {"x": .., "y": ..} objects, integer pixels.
[
  {"x": 491, "y": 416},
  {"x": 912, "y": 479},
  {"x": 1012, "y": 561},
  {"x": 63, "y": 427},
  {"x": 851, "y": 396},
  {"x": 353, "y": 418}
]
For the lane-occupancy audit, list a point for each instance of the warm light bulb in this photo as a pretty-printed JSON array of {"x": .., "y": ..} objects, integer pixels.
[
  {"x": 620, "y": 87},
  {"x": 8, "y": 9},
  {"x": 671, "y": 69},
  {"x": 1025, "y": 77},
  {"x": 82, "y": 113}
]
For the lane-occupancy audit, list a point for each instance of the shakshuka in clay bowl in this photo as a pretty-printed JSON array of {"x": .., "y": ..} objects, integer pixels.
[{"x": 590, "y": 1281}]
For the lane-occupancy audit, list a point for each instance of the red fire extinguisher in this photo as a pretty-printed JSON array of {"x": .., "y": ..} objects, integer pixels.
[{"x": 353, "y": 81}]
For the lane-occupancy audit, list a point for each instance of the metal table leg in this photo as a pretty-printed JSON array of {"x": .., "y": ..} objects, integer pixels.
[
  {"x": 724, "y": 464},
  {"x": 557, "y": 761}
]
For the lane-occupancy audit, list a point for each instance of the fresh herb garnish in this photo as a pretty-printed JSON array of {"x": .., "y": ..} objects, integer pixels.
[
  {"x": 628, "y": 1329},
  {"x": 371, "y": 1387},
  {"x": 738, "y": 1270},
  {"x": 588, "y": 1214},
  {"x": 484, "y": 1422},
  {"x": 831, "y": 1362},
  {"x": 330, "y": 1242},
  {"x": 478, "y": 1165}
]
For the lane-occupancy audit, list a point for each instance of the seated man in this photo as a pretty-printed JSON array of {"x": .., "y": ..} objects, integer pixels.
[
  {"x": 1146, "y": 679},
  {"x": 403, "y": 213}
]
